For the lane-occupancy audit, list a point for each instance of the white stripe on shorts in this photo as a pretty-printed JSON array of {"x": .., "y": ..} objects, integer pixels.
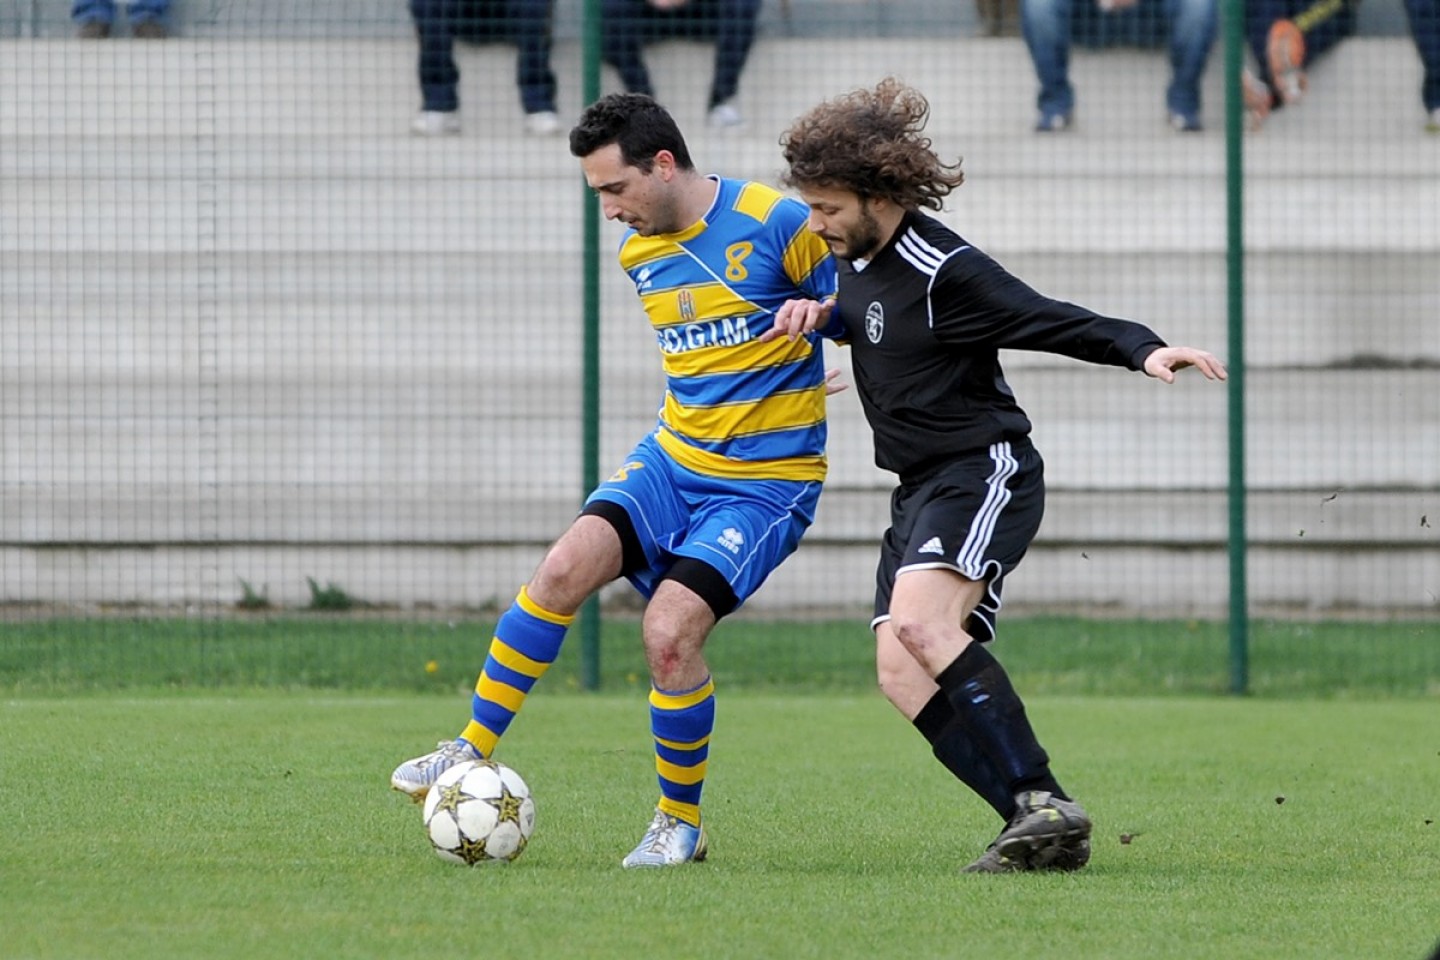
[{"x": 972, "y": 553}]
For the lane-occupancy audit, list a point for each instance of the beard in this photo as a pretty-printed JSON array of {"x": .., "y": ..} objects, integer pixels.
[{"x": 862, "y": 241}]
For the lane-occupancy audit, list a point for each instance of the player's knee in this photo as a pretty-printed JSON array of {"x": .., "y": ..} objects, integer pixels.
[
  {"x": 567, "y": 576},
  {"x": 932, "y": 643},
  {"x": 914, "y": 633}
]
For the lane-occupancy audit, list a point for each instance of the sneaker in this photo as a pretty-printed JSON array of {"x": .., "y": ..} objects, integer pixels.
[
  {"x": 1258, "y": 99},
  {"x": 1053, "y": 123},
  {"x": 1067, "y": 857},
  {"x": 669, "y": 842},
  {"x": 725, "y": 116},
  {"x": 993, "y": 861},
  {"x": 93, "y": 30},
  {"x": 433, "y": 123},
  {"x": 1042, "y": 824},
  {"x": 1432, "y": 123},
  {"x": 542, "y": 123},
  {"x": 1285, "y": 53},
  {"x": 1185, "y": 122},
  {"x": 416, "y": 777},
  {"x": 149, "y": 30}
]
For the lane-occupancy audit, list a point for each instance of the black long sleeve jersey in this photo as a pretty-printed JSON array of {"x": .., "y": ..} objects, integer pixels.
[{"x": 926, "y": 318}]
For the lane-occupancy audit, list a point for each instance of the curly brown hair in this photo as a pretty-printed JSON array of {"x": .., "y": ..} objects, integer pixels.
[{"x": 872, "y": 143}]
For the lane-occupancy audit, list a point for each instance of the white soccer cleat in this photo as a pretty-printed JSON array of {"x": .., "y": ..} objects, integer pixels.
[
  {"x": 416, "y": 777},
  {"x": 668, "y": 843},
  {"x": 433, "y": 123}
]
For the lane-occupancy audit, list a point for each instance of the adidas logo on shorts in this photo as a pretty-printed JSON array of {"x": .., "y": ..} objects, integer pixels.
[{"x": 933, "y": 545}]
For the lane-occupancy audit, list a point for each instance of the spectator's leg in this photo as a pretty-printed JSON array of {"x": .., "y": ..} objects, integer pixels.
[
  {"x": 1260, "y": 15},
  {"x": 436, "y": 22},
  {"x": 1046, "y": 25},
  {"x": 1192, "y": 34},
  {"x": 624, "y": 26},
  {"x": 530, "y": 24},
  {"x": 734, "y": 36},
  {"x": 93, "y": 11},
  {"x": 1324, "y": 24},
  {"x": 1425, "y": 28}
]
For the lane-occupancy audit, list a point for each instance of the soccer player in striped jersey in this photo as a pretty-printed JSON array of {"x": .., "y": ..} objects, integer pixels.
[
  {"x": 718, "y": 495},
  {"x": 926, "y": 314}
]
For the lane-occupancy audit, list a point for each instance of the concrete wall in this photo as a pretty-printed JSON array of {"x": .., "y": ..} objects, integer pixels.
[{"x": 251, "y": 330}]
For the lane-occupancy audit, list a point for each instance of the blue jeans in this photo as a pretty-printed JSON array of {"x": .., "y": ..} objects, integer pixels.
[
  {"x": 526, "y": 23},
  {"x": 627, "y": 25},
  {"x": 1047, "y": 28},
  {"x": 84, "y": 11},
  {"x": 1425, "y": 28}
]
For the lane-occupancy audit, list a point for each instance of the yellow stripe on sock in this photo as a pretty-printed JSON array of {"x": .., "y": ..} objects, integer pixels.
[
  {"x": 679, "y": 701},
  {"x": 481, "y": 738},
  {"x": 688, "y": 812},
  {"x": 539, "y": 612},
  {"x": 685, "y": 776},
  {"x": 501, "y": 693},
  {"x": 508, "y": 656},
  {"x": 678, "y": 745}
]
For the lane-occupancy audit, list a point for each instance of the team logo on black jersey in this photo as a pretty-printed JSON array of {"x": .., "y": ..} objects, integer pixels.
[{"x": 875, "y": 321}]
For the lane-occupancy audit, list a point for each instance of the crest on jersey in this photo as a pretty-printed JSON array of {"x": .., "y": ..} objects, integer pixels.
[
  {"x": 874, "y": 321},
  {"x": 686, "y": 302}
]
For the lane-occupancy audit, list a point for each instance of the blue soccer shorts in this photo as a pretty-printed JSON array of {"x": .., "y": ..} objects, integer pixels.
[{"x": 743, "y": 529}]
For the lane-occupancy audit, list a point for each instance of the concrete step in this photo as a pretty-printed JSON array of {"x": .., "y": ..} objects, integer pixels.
[
  {"x": 369, "y": 307},
  {"x": 1364, "y": 93},
  {"x": 824, "y": 579},
  {"x": 412, "y": 429},
  {"x": 349, "y": 19},
  {"x": 428, "y": 511}
]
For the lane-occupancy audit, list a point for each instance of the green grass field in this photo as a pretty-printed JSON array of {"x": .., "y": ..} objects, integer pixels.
[
  {"x": 259, "y": 824},
  {"x": 1059, "y": 655},
  {"x": 218, "y": 788}
]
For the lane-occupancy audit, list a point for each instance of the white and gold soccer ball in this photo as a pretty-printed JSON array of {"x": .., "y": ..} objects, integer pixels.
[{"x": 479, "y": 812}]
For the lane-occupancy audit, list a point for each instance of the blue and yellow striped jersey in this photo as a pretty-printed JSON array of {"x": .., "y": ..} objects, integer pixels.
[{"x": 735, "y": 407}]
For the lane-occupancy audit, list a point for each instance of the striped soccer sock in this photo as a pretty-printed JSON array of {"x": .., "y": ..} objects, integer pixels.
[
  {"x": 682, "y": 723},
  {"x": 527, "y": 640}
]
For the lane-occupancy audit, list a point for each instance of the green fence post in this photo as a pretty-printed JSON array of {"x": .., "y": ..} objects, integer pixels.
[
  {"x": 1235, "y": 324},
  {"x": 590, "y": 391}
]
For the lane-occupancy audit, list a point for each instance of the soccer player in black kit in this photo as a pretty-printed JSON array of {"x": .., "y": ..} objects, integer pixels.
[{"x": 925, "y": 314}]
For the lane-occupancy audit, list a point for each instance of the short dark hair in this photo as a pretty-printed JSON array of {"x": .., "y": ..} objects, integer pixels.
[
  {"x": 872, "y": 143},
  {"x": 637, "y": 123}
]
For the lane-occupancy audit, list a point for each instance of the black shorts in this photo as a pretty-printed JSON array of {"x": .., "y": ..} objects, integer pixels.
[{"x": 975, "y": 515}]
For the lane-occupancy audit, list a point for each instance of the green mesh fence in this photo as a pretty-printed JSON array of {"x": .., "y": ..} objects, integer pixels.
[{"x": 290, "y": 328}]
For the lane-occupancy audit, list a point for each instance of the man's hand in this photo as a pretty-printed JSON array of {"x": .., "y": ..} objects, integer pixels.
[
  {"x": 795, "y": 318},
  {"x": 1163, "y": 363},
  {"x": 833, "y": 383}
]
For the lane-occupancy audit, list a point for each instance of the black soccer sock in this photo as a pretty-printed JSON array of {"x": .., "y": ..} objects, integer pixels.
[
  {"x": 953, "y": 747},
  {"x": 988, "y": 708}
]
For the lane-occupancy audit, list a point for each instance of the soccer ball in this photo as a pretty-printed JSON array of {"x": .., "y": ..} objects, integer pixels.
[{"x": 479, "y": 812}]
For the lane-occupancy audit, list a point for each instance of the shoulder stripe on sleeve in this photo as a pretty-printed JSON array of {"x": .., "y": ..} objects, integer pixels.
[
  {"x": 919, "y": 254},
  {"x": 756, "y": 200},
  {"x": 927, "y": 259}
]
